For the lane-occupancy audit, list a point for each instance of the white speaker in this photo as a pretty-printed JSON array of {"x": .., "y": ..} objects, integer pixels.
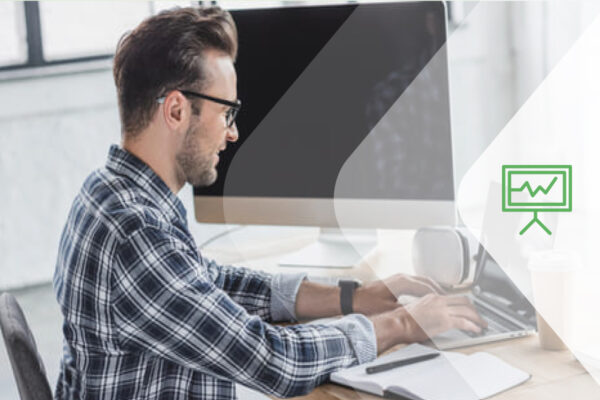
[{"x": 445, "y": 254}]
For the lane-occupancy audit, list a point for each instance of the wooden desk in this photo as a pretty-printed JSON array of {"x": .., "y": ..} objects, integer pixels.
[{"x": 555, "y": 375}]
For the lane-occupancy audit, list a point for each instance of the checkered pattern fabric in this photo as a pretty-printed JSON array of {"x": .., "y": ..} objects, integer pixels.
[{"x": 147, "y": 317}]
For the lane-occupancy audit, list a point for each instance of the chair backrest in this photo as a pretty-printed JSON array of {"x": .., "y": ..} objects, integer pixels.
[{"x": 26, "y": 362}]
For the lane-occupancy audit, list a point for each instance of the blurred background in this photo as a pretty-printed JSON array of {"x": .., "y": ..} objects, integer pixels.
[{"x": 58, "y": 115}]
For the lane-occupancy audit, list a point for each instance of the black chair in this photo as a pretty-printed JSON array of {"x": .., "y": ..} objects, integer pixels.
[{"x": 26, "y": 362}]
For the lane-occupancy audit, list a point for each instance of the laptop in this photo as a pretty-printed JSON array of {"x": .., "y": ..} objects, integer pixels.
[{"x": 507, "y": 311}]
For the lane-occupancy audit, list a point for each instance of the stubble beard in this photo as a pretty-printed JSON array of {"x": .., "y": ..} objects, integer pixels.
[{"x": 198, "y": 168}]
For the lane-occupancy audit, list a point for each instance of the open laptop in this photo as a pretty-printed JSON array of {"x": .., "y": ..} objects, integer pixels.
[{"x": 507, "y": 311}]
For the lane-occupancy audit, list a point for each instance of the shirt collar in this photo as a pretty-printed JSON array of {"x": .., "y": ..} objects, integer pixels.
[{"x": 122, "y": 162}]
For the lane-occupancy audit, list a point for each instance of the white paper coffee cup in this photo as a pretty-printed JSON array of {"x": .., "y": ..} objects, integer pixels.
[{"x": 552, "y": 277}]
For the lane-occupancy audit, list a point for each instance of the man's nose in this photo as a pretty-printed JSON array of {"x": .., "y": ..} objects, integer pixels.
[{"x": 232, "y": 133}]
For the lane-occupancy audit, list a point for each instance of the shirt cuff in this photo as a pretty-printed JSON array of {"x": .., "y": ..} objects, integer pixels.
[
  {"x": 361, "y": 333},
  {"x": 284, "y": 289}
]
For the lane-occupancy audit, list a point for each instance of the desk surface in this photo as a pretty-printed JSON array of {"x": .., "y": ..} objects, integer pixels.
[{"x": 555, "y": 375}]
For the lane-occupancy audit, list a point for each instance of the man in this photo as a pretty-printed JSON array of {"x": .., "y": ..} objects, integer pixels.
[{"x": 145, "y": 315}]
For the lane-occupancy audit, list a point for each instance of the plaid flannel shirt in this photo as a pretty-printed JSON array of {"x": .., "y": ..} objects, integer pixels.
[{"x": 147, "y": 317}]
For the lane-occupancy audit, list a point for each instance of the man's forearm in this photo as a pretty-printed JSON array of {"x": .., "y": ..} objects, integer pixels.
[{"x": 315, "y": 300}]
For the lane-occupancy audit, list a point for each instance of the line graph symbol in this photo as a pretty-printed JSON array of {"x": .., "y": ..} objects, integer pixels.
[
  {"x": 537, "y": 188},
  {"x": 540, "y": 188}
]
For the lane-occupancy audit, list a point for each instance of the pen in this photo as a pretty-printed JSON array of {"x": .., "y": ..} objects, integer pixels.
[{"x": 407, "y": 361}]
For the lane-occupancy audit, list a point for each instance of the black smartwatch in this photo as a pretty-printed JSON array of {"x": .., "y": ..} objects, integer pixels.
[{"x": 347, "y": 288}]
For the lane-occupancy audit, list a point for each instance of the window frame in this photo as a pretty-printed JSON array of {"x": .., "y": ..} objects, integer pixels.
[{"x": 35, "y": 52}]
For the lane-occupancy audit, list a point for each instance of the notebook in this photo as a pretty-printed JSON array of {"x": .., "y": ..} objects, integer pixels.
[{"x": 451, "y": 376}]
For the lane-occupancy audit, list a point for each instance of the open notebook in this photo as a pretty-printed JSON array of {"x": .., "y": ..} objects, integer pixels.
[{"x": 451, "y": 376}]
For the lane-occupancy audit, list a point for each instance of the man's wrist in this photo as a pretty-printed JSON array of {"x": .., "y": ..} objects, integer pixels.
[
  {"x": 407, "y": 325},
  {"x": 387, "y": 331},
  {"x": 359, "y": 300},
  {"x": 394, "y": 327}
]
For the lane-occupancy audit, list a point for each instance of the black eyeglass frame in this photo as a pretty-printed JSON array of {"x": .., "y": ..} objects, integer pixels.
[{"x": 231, "y": 113}]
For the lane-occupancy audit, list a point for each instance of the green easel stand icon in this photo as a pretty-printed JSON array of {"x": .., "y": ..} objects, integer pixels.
[{"x": 537, "y": 188}]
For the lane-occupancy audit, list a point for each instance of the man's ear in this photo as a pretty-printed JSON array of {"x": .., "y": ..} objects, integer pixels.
[{"x": 176, "y": 110}]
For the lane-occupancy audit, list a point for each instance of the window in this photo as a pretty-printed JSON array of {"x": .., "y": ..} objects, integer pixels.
[
  {"x": 13, "y": 38},
  {"x": 38, "y": 34},
  {"x": 241, "y": 4},
  {"x": 81, "y": 29},
  {"x": 158, "y": 6}
]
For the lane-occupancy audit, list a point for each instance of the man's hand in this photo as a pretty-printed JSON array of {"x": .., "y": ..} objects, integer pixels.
[
  {"x": 380, "y": 296},
  {"x": 425, "y": 318},
  {"x": 433, "y": 315}
]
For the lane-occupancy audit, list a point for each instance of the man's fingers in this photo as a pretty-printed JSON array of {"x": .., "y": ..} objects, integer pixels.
[
  {"x": 465, "y": 324},
  {"x": 430, "y": 283},
  {"x": 468, "y": 312},
  {"x": 419, "y": 287},
  {"x": 400, "y": 284},
  {"x": 458, "y": 300}
]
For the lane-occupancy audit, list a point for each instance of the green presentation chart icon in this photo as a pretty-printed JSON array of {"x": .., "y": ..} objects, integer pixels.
[{"x": 537, "y": 188}]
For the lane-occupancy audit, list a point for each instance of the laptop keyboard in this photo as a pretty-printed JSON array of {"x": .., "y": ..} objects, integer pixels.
[{"x": 496, "y": 324}]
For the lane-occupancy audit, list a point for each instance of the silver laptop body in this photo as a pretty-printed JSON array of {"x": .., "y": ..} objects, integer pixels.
[{"x": 507, "y": 311}]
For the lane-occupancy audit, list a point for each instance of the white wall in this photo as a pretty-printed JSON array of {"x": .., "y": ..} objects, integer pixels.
[
  {"x": 53, "y": 132},
  {"x": 481, "y": 80},
  {"x": 499, "y": 55}
]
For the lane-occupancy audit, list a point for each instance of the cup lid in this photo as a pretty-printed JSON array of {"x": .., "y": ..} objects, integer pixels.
[{"x": 557, "y": 260}]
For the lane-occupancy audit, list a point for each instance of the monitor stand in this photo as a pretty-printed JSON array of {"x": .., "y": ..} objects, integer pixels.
[{"x": 333, "y": 249}]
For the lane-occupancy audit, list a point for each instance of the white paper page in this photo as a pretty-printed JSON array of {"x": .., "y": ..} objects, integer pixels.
[
  {"x": 438, "y": 380},
  {"x": 488, "y": 375},
  {"x": 477, "y": 376},
  {"x": 451, "y": 376}
]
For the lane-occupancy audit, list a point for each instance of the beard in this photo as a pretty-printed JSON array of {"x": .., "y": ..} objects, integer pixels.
[{"x": 197, "y": 168}]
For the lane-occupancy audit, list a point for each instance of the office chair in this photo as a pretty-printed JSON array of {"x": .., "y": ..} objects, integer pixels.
[{"x": 26, "y": 362}]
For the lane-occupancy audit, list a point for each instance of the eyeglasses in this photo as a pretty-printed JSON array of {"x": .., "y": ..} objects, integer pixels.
[{"x": 234, "y": 107}]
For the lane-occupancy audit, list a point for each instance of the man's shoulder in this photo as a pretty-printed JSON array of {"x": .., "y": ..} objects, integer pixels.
[{"x": 119, "y": 203}]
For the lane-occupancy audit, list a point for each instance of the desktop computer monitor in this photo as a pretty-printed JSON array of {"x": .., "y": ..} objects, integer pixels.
[{"x": 345, "y": 119}]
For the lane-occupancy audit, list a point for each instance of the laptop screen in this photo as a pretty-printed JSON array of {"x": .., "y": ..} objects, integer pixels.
[{"x": 494, "y": 285}]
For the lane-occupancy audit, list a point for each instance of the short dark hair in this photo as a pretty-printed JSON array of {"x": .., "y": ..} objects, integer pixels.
[{"x": 166, "y": 52}]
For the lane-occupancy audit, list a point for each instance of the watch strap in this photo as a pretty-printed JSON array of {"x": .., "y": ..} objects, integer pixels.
[{"x": 347, "y": 288}]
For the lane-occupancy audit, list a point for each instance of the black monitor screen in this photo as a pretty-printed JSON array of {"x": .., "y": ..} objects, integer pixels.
[{"x": 348, "y": 101}]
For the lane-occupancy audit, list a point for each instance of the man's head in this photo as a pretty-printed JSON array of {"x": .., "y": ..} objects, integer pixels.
[{"x": 157, "y": 69}]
